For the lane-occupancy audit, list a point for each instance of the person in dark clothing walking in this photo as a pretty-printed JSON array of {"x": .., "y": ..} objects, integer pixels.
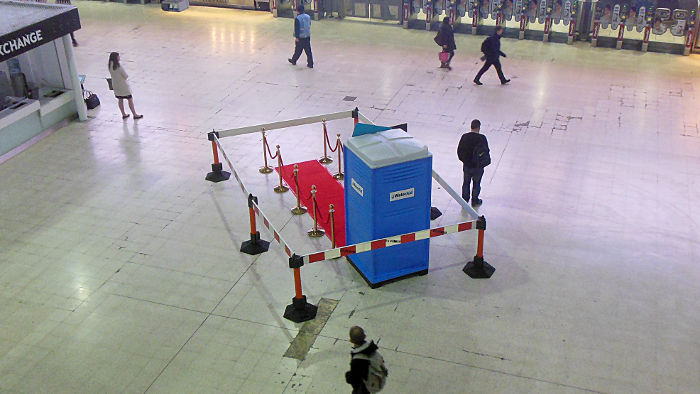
[
  {"x": 492, "y": 53},
  {"x": 360, "y": 360},
  {"x": 472, "y": 171},
  {"x": 302, "y": 38},
  {"x": 446, "y": 39}
]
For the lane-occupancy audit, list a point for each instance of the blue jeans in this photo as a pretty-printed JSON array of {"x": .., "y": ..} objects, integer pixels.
[{"x": 471, "y": 175}]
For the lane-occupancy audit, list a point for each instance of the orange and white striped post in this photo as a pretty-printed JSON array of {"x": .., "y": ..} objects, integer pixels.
[
  {"x": 478, "y": 268},
  {"x": 217, "y": 174},
  {"x": 255, "y": 245},
  {"x": 299, "y": 310}
]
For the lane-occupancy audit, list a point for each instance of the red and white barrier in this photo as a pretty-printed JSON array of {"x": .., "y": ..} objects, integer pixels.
[{"x": 388, "y": 242}]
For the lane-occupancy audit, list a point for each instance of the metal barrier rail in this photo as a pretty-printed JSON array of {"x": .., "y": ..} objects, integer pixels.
[{"x": 287, "y": 123}]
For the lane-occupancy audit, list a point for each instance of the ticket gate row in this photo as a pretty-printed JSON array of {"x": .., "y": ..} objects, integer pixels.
[
  {"x": 656, "y": 25},
  {"x": 662, "y": 25},
  {"x": 386, "y": 10}
]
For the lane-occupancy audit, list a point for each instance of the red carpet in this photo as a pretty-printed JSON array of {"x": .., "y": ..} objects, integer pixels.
[{"x": 328, "y": 191}]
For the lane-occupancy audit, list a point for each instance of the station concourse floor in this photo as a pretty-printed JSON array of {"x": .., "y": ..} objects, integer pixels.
[{"x": 119, "y": 263}]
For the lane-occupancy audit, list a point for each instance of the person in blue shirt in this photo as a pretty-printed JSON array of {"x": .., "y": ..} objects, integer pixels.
[{"x": 302, "y": 38}]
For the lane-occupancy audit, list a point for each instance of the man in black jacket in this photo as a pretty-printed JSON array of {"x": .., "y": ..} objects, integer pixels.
[
  {"x": 471, "y": 169},
  {"x": 492, "y": 52},
  {"x": 359, "y": 367}
]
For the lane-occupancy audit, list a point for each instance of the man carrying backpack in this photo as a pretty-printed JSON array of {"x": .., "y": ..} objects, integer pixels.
[
  {"x": 491, "y": 47},
  {"x": 367, "y": 372},
  {"x": 473, "y": 152}
]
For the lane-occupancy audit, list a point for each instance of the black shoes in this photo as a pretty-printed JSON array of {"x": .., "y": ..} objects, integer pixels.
[
  {"x": 292, "y": 61},
  {"x": 476, "y": 202},
  {"x": 476, "y": 81},
  {"x": 505, "y": 82},
  {"x": 310, "y": 65}
]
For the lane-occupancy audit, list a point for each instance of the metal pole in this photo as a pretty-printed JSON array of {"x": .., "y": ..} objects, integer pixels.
[
  {"x": 339, "y": 176},
  {"x": 325, "y": 159},
  {"x": 266, "y": 169},
  {"x": 75, "y": 82},
  {"x": 331, "y": 211},
  {"x": 280, "y": 188},
  {"x": 315, "y": 232},
  {"x": 298, "y": 210}
]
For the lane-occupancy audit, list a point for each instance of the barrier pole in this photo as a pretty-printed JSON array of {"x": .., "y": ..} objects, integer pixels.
[
  {"x": 280, "y": 188},
  {"x": 315, "y": 232},
  {"x": 217, "y": 174},
  {"x": 255, "y": 245},
  {"x": 266, "y": 169},
  {"x": 325, "y": 159},
  {"x": 339, "y": 176},
  {"x": 478, "y": 268},
  {"x": 331, "y": 212},
  {"x": 299, "y": 310},
  {"x": 298, "y": 210}
]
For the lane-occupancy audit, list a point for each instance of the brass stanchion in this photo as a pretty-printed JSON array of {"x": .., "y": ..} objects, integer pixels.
[
  {"x": 331, "y": 211},
  {"x": 339, "y": 175},
  {"x": 315, "y": 232},
  {"x": 266, "y": 169},
  {"x": 298, "y": 210},
  {"x": 325, "y": 159},
  {"x": 280, "y": 188}
]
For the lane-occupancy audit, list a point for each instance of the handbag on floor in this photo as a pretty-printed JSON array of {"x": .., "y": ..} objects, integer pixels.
[
  {"x": 91, "y": 101},
  {"x": 444, "y": 56}
]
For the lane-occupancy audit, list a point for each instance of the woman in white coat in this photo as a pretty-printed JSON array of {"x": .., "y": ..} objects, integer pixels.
[{"x": 120, "y": 85}]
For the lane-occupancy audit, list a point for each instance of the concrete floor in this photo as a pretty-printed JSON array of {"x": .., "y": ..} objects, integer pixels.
[{"x": 119, "y": 264}]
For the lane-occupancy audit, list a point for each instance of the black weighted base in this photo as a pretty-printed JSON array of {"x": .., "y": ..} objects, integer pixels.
[
  {"x": 216, "y": 175},
  {"x": 255, "y": 245},
  {"x": 479, "y": 269},
  {"x": 300, "y": 310}
]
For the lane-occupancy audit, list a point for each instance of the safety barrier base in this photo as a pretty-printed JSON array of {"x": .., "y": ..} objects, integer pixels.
[
  {"x": 255, "y": 245},
  {"x": 217, "y": 175},
  {"x": 478, "y": 268},
  {"x": 300, "y": 310}
]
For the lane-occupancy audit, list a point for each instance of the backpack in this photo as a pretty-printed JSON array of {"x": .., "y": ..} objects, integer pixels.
[
  {"x": 485, "y": 46},
  {"x": 481, "y": 155},
  {"x": 376, "y": 376}
]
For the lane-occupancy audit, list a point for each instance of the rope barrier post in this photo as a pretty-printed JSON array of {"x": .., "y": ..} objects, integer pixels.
[
  {"x": 299, "y": 310},
  {"x": 339, "y": 145},
  {"x": 325, "y": 159},
  {"x": 266, "y": 169},
  {"x": 216, "y": 174},
  {"x": 331, "y": 212},
  {"x": 255, "y": 245},
  {"x": 280, "y": 188},
  {"x": 478, "y": 268},
  {"x": 298, "y": 210},
  {"x": 315, "y": 232}
]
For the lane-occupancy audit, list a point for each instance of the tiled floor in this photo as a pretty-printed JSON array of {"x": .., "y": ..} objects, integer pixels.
[{"x": 119, "y": 264}]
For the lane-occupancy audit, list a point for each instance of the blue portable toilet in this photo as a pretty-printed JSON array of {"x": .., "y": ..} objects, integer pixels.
[{"x": 388, "y": 178}]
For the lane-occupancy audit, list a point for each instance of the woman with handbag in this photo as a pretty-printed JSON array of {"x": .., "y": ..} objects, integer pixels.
[
  {"x": 446, "y": 39},
  {"x": 121, "y": 88}
]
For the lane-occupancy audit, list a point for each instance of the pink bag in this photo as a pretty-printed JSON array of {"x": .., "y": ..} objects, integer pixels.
[{"x": 444, "y": 56}]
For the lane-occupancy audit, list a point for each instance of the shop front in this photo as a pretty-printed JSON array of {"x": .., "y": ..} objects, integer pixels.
[{"x": 39, "y": 84}]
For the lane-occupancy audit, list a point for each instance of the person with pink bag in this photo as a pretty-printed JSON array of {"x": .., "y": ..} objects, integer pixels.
[{"x": 446, "y": 39}]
